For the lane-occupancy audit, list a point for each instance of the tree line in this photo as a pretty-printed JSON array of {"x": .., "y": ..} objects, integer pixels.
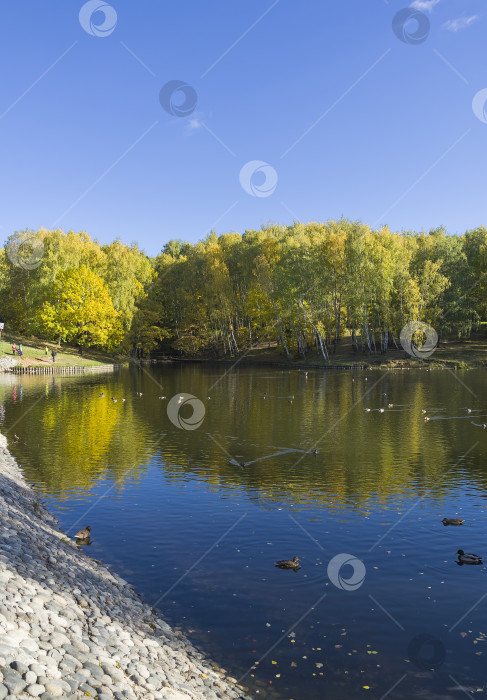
[{"x": 302, "y": 287}]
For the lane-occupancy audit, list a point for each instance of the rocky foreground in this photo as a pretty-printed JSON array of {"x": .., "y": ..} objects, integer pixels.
[{"x": 71, "y": 628}]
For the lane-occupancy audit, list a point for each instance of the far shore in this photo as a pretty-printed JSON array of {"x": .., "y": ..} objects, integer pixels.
[{"x": 451, "y": 354}]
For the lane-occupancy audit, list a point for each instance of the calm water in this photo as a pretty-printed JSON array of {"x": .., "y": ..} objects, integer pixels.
[{"x": 198, "y": 535}]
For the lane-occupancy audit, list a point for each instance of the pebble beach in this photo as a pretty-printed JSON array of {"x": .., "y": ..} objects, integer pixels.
[{"x": 70, "y": 627}]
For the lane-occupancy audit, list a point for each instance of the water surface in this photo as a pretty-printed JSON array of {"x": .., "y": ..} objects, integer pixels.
[{"x": 174, "y": 513}]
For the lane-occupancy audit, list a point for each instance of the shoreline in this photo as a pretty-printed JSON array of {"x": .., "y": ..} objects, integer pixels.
[{"x": 70, "y": 627}]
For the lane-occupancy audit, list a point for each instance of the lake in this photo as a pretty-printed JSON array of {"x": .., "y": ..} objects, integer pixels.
[{"x": 379, "y": 608}]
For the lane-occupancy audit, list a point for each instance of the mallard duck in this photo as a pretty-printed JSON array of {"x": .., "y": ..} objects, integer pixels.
[
  {"x": 288, "y": 564},
  {"x": 465, "y": 558},
  {"x": 83, "y": 534},
  {"x": 314, "y": 452},
  {"x": 453, "y": 521},
  {"x": 469, "y": 410}
]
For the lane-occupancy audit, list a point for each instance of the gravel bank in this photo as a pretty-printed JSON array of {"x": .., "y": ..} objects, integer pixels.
[{"x": 71, "y": 628}]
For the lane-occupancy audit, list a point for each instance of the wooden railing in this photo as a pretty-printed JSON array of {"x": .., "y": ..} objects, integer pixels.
[{"x": 53, "y": 369}]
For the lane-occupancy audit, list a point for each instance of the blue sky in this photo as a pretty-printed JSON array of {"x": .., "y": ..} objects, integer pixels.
[{"x": 348, "y": 119}]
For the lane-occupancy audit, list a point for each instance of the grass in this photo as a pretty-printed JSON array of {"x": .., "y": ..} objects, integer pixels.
[{"x": 33, "y": 353}]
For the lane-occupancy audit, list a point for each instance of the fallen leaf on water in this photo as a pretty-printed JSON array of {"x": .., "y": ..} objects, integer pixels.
[
  {"x": 274, "y": 662},
  {"x": 463, "y": 634},
  {"x": 294, "y": 664}
]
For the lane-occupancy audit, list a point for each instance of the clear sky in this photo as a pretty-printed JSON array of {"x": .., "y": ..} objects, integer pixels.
[{"x": 355, "y": 110}]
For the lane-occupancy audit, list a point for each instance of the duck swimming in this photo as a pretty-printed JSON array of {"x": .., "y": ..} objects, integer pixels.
[
  {"x": 83, "y": 534},
  {"x": 465, "y": 558},
  {"x": 453, "y": 521},
  {"x": 288, "y": 564}
]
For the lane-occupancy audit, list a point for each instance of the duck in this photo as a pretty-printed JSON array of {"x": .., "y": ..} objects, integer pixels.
[
  {"x": 161, "y": 397},
  {"x": 469, "y": 410},
  {"x": 288, "y": 564},
  {"x": 423, "y": 411},
  {"x": 484, "y": 425},
  {"x": 16, "y": 437},
  {"x": 314, "y": 452},
  {"x": 453, "y": 521},
  {"x": 242, "y": 464},
  {"x": 83, "y": 534},
  {"x": 101, "y": 395},
  {"x": 465, "y": 558},
  {"x": 368, "y": 410},
  {"x": 381, "y": 410},
  {"x": 426, "y": 419}
]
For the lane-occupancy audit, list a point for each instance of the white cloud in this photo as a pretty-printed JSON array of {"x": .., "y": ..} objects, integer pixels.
[
  {"x": 424, "y": 5},
  {"x": 456, "y": 25},
  {"x": 194, "y": 123}
]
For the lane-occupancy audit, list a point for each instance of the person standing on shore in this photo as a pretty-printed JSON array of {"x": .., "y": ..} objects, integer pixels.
[
  {"x": 14, "y": 348},
  {"x": 20, "y": 349},
  {"x": 47, "y": 351},
  {"x": 53, "y": 353}
]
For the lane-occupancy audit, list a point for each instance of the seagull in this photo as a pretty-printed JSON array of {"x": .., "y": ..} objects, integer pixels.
[
  {"x": 162, "y": 397},
  {"x": 381, "y": 410},
  {"x": 469, "y": 410}
]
